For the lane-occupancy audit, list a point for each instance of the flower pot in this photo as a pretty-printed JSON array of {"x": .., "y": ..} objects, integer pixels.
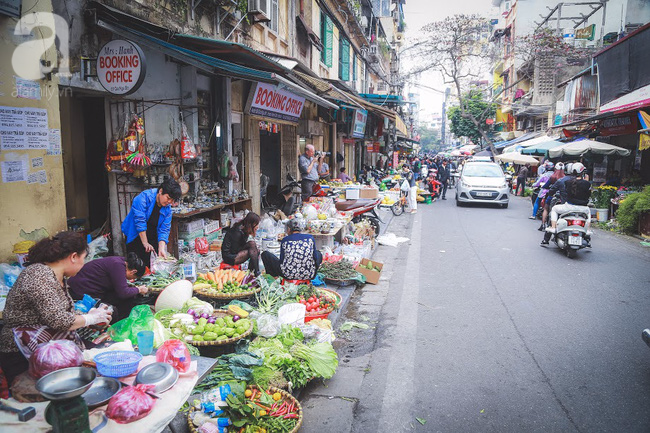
[{"x": 603, "y": 214}]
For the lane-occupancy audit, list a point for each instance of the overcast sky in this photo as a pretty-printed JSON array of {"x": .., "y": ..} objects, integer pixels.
[{"x": 421, "y": 12}]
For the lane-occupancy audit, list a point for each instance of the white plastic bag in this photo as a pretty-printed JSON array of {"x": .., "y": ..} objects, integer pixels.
[
  {"x": 406, "y": 187},
  {"x": 267, "y": 326},
  {"x": 97, "y": 248},
  {"x": 292, "y": 314}
]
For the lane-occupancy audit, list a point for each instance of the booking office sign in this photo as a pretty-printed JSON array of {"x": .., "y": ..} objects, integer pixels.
[{"x": 121, "y": 65}]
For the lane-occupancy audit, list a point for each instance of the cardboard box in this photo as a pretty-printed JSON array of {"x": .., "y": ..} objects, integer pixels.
[
  {"x": 372, "y": 277},
  {"x": 191, "y": 226},
  {"x": 368, "y": 193}
]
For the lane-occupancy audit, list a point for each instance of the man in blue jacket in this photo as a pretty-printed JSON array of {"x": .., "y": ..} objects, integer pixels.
[{"x": 149, "y": 220}]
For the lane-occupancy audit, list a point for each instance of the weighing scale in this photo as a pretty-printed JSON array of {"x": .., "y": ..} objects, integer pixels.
[{"x": 69, "y": 415}]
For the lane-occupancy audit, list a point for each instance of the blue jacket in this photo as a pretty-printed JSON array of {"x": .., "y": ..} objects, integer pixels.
[{"x": 136, "y": 221}]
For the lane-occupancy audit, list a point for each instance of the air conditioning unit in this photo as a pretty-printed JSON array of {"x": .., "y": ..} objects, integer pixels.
[
  {"x": 520, "y": 125},
  {"x": 260, "y": 10}
]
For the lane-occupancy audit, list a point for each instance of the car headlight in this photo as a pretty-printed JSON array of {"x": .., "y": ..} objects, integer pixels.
[
  {"x": 465, "y": 184},
  {"x": 503, "y": 185}
]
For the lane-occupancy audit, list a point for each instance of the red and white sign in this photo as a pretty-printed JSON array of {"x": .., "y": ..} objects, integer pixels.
[
  {"x": 622, "y": 125},
  {"x": 270, "y": 101},
  {"x": 633, "y": 100},
  {"x": 121, "y": 67}
]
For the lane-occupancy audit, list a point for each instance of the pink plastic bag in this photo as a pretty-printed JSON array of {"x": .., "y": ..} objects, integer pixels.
[
  {"x": 175, "y": 353},
  {"x": 54, "y": 355},
  {"x": 130, "y": 404}
]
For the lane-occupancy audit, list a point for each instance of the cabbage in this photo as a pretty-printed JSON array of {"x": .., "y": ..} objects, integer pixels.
[
  {"x": 174, "y": 295},
  {"x": 198, "y": 306},
  {"x": 160, "y": 333}
]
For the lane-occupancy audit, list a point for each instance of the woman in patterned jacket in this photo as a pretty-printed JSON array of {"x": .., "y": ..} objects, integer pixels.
[
  {"x": 299, "y": 258},
  {"x": 39, "y": 307}
]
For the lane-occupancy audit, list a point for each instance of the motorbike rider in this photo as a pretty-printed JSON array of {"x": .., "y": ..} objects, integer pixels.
[
  {"x": 575, "y": 192},
  {"x": 546, "y": 171},
  {"x": 548, "y": 198}
]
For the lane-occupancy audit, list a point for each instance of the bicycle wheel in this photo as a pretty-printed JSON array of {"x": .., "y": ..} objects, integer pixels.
[{"x": 397, "y": 208}]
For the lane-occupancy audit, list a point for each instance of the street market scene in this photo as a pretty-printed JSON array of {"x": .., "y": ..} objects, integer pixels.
[{"x": 261, "y": 216}]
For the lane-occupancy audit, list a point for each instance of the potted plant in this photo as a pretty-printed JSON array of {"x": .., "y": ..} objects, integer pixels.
[
  {"x": 602, "y": 197},
  {"x": 634, "y": 213}
]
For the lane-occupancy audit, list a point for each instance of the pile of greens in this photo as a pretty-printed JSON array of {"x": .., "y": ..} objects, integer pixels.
[
  {"x": 341, "y": 270},
  {"x": 299, "y": 362}
]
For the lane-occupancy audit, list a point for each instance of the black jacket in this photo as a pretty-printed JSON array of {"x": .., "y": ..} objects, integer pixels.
[
  {"x": 578, "y": 191},
  {"x": 444, "y": 173},
  {"x": 233, "y": 243}
]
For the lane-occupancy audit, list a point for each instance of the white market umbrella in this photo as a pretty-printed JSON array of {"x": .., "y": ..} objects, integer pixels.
[
  {"x": 537, "y": 140},
  {"x": 517, "y": 158},
  {"x": 584, "y": 147}
]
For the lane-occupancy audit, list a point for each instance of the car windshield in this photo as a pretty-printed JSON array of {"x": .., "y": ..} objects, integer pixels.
[{"x": 482, "y": 170}]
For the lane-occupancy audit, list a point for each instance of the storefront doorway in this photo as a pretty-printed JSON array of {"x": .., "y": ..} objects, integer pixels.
[
  {"x": 271, "y": 161},
  {"x": 83, "y": 141}
]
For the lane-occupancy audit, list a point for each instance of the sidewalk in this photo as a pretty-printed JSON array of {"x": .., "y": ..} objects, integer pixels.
[{"x": 329, "y": 405}]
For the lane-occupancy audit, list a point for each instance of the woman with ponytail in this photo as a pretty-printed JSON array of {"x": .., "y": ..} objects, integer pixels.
[{"x": 39, "y": 306}]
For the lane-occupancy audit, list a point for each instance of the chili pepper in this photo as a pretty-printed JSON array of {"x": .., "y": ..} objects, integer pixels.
[
  {"x": 268, "y": 409},
  {"x": 291, "y": 416},
  {"x": 253, "y": 394}
]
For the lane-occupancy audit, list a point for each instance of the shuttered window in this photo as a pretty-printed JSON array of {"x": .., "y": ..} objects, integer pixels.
[
  {"x": 354, "y": 68},
  {"x": 327, "y": 37},
  {"x": 344, "y": 59}
]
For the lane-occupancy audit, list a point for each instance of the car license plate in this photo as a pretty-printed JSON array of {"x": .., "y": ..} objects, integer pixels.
[
  {"x": 483, "y": 194},
  {"x": 575, "y": 240}
]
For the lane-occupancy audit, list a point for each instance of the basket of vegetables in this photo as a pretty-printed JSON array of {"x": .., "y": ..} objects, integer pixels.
[
  {"x": 257, "y": 411},
  {"x": 157, "y": 282},
  {"x": 339, "y": 273},
  {"x": 319, "y": 303},
  {"x": 226, "y": 284},
  {"x": 202, "y": 326}
]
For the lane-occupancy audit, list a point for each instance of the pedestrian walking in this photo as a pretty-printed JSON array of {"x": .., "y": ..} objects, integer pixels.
[
  {"x": 522, "y": 175},
  {"x": 443, "y": 176}
]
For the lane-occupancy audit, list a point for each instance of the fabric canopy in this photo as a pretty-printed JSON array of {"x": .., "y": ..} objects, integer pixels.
[
  {"x": 541, "y": 149},
  {"x": 486, "y": 152},
  {"x": 586, "y": 147},
  {"x": 517, "y": 158},
  {"x": 536, "y": 141}
]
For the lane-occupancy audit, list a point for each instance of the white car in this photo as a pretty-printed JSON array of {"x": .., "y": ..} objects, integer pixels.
[{"x": 482, "y": 182}]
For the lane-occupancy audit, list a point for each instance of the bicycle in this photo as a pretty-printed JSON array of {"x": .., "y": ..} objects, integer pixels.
[{"x": 400, "y": 205}]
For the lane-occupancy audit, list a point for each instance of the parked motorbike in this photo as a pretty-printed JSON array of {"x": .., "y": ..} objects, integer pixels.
[
  {"x": 363, "y": 208},
  {"x": 271, "y": 204},
  {"x": 571, "y": 234}
]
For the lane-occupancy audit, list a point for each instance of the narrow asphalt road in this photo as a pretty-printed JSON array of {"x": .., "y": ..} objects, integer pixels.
[{"x": 479, "y": 329}]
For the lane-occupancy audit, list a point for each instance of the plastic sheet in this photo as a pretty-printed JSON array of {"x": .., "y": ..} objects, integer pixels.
[
  {"x": 54, "y": 355},
  {"x": 130, "y": 404},
  {"x": 140, "y": 319}
]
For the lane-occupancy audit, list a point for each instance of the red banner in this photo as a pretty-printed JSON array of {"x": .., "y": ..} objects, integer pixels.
[{"x": 623, "y": 125}]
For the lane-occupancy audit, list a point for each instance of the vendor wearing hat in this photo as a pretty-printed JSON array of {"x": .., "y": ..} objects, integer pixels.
[
  {"x": 299, "y": 258},
  {"x": 107, "y": 279},
  {"x": 149, "y": 221}
]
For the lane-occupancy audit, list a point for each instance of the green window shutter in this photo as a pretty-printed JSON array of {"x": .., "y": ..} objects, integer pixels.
[
  {"x": 354, "y": 68},
  {"x": 344, "y": 59},
  {"x": 327, "y": 37}
]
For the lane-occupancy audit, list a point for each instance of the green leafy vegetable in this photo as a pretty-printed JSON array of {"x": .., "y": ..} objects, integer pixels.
[{"x": 321, "y": 358}]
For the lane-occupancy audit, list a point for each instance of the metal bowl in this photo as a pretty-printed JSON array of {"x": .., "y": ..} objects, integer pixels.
[
  {"x": 162, "y": 375},
  {"x": 102, "y": 389},
  {"x": 66, "y": 383}
]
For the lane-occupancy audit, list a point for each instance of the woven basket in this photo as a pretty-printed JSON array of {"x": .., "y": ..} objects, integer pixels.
[
  {"x": 329, "y": 293},
  {"x": 217, "y": 314},
  {"x": 340, "y": 283},
  {"x": 226, "y": 296},
  {"x": 285, "y": 396}
]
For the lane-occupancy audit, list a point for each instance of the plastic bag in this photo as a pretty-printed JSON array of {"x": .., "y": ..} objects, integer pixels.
[
  {"x": 162, "y": 265},
  {"x": 201, "y": 245},
  {"x": 130, "y": 404},
  {"x": 175, "y": 353},
  {"x": 232, "y": 169},
  {"x": 9, "y": 274},
  {"x": 140, "y": 319},
  {"x": 97, "y": 248},
  {"x": 54, "y": 355},
  {"x": 267, "y": 326},
  {"x": 406, "y": 187}
]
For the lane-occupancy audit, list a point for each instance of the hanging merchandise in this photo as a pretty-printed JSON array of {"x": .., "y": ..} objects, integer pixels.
[
  {"x": 188, "y": 150},
  {"x": 232, "y": 169},
  {"x": 223, "y": 165},
  {"x": 129, "y": 148}
]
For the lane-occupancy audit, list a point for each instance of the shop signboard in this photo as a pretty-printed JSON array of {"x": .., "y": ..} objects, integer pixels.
[
  {"x": 359, "y": 123},
  {"x": 586, "y": 33},
  {"x": 349, "y": 141},
  {"x": 631, "y": 101},
  {"x": 370, "y": 146},
  {"x": 121, "y": 67},
  {"x": 268, "y": 100},
  {"x": 376, "y": 147},
  {"x": 620, "y": 125},
  {"x": 395, "y": 159}
]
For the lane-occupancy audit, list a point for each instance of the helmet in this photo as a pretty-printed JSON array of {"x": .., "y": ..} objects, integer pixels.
[
  {"x": 577, "y": 168},
  {"x": 559, "y": 166},
  {"x": 548, "y": 165}
]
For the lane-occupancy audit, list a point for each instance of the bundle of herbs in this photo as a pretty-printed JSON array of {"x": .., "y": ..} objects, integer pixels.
[{"x": 341, "y": 270}]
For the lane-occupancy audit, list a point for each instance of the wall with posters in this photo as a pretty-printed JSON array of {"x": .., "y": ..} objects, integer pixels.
[{"x": 31, "y": 186}]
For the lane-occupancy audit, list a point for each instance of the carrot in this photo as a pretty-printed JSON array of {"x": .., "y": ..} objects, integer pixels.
[
  {"x": 220, "y": 285},
  {"x": 266, "y": 408},
  {"x": 240, "y": 276},
  {"x": 211, "y": 276}
]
